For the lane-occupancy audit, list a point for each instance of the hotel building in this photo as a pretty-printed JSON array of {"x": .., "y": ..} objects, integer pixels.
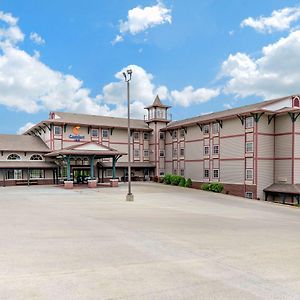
[{"x": 253, "y": 150}]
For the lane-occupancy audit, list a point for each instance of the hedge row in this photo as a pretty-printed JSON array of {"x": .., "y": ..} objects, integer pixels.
[
  {"x": 177, "y": 180},
  {"x": 213, "y": 187}
]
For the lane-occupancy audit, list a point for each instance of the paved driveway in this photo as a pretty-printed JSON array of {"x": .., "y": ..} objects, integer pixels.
[{"x": 171, "y": 243}]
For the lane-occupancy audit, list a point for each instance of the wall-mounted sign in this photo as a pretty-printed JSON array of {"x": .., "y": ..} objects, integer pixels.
[{"x": 76, "y": 136}]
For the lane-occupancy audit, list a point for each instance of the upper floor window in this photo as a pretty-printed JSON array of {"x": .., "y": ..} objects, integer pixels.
[
  {"x": 146, "y": 153},
  {"x": 13, "y": 157},
  {"x": 161, "y": 153},
  {"x": 162, "y": 135},
  {"x": 181, "y": 151},
  {"x": 136, "y": 135},
  {"x": 136, "y": 152},
  {"x": 296, "y": 101},
  {"x": 94, "y": 132},
  {"x": 216, "y": 149},
  {"x": 174, "y": 134},
  {"x": 36, "y": 157},
  {"x": 146, "y": 136},
  {"x": 206, "y": 150},
  {"x": 206, "y": 129},
  {"x": 182, "y": 133},
  {"x": 249, "y": 147},
  {"x": 104, "y": 133},
  {"x": 181, "y": 172},
  {"x": 57, "y": 130},
  {"x": 249, "y": 122},
  {"x": 215, "y": 128},
  {"x": 174, "y": 151}
]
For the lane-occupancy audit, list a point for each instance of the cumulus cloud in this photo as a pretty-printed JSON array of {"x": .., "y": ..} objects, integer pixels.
[
  {"x": 36, "y": 38},
  {"x": 274, "y": 74},
  {"x": 25, "y": 128},
  {"x": 278, "y": 21},
  {"x": 140, "y": 19},
  {"x": 189, "y": 95}
]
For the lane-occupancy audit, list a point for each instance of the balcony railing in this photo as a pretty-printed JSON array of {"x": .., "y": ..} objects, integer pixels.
[{"x": 157, "y": 116}]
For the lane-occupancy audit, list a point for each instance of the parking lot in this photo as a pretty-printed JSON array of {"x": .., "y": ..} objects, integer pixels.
[{"x": 170, "y": 243}]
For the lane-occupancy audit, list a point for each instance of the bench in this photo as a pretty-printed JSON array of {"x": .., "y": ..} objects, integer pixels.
[{"x": 25, "y": 182}]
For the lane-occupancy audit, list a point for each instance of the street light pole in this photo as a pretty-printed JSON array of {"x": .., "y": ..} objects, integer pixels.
[{"x": 129, "y": 196}]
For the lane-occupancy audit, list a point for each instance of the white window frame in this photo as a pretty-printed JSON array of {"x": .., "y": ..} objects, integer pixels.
[
  {"x": 248, "y": 172},
  {"x": 214, "y": 148},
  {"x": 104, "y": 135},
  {"x": 204, "y": 173},
  {"x": 59, "y": 130},
  {"x": 13, "y": 156},
  {"x": 249, "y": 122},
  {"x": 206, "y": 129},
  {"x": 218, "y": 175},
  {"x": 204, "y": 150},
  {"x": 136, "y": 135},
  {"x": 146, "y": 136},
  {"x": 95, "y": 130},
  {"x": 136, "y": 153},
  {"x": 174, "y": 152},
  {"x": 161, "y": 172},
  {"x": 161, "y": 153},
  {"x": 181, "y": 151},
  {"x": 174, "y": 135},
  {"x": 146, "y": 153},
  {"x": 249, "y": 195},
  {"x": 247, "y": 147},
  {"x": 162, "y": 135},
  {"x": 182, "y": 133},
  {"x": 215, "y": 128},
  {"x": 36, "y": 157},
  {"x": 182, "y": 172}
]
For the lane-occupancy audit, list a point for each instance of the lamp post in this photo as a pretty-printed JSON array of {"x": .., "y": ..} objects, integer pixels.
[{"x": 127, "y": 76}]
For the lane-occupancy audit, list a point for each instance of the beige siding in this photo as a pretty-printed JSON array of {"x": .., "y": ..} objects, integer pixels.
[
  {"x": 265, "y": 169},
  {"x": 283, "y": 124},
  {"x": 263, "y": 126},
  {"x": 265, "y": 146},
  {"x": 283, "y": 146},
  {"x": 232, "y": 171},
  {"x": 194, "y": 170},
  {"x": 297, "y": 171},
  {"x": 232, "y": 147},
  {"x": 283, "y": 170},
  {"x": 232, "y": 127},
  {"x": 194, "y": 150},
  {"x": 193, "y": 133}
]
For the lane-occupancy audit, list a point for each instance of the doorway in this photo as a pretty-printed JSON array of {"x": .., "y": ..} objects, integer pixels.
[{"x": 81, "y": 175}]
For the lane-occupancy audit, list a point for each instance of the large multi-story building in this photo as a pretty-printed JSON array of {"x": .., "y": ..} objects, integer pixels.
[{"x": 253, "y": 150}]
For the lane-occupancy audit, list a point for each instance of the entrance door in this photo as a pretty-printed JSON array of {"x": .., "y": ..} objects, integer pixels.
[{"x": 81, "y": 175}]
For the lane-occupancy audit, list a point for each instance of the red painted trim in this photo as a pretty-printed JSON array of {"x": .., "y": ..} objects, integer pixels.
[
  {"x": 196, "y": 140},
  {"x": 193, "y": 160},
  {"x": 234, "y": 158}
]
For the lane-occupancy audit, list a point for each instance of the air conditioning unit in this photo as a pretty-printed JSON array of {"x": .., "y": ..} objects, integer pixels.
[{"x": 282, "y": 179}]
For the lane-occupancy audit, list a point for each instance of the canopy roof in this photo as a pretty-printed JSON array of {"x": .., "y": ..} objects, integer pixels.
[
  {"x": 88, "y": 148},
  {"x": 283, "y": 188},
  {"x": 17, "y": 164},
  {"x": 141, "y": 164}
]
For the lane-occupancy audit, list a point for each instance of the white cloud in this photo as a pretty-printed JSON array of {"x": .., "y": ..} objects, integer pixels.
[
  {"x": 117, "y": 39},
  {"x": 227, "y": 106},
  {"x": 8, "y": 18},
  {"x": 274, "y": 74},
  {"x": 140, "y": 19},
  {"x": 37, "y": 38},
  {"x": 189, "y": 95},
  {"x": 278, "y": 21},
  {"x": 25, "y": 128}
]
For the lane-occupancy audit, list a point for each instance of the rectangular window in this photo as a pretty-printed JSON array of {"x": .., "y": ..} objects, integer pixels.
[
  {"x": 249, "y": 174},
  {"x": 206, "y": 173},
  {"x": 136, "y": 153},
  {"x": 206, "y": 129},
  {"x": 174, "y": 134},
  {"x": 249, "y": 147},
  {"x": 249, "y": 195},
  {"x": 182, "y": 133},
  {"x": 108, "y": 172},
  {"x": 174, "y": 152},
  {"x": 216, "y": 149},
  {"x": 161, "y": 172},
  {"x": 161, "y": 153},
  {"x": 57, "y": 130},
  {"x": 181, "y": 151},
  {"x": 162, "y": 135},
  {"x": 36, "y": 173},
  {"x": 215, "y": 128},
  {"x": 175, "y": 171},
  {"x": 94, "y": 132},
  {"x": 146, "y": 153},
  {"x": 181, "y": 172},
  {"x": 104, "y": 133},
  {"x": 206, "y": 150},
  {"x": 216, "y": 173},
  {"x": 146, "y": 136},
  {"x": 135, "y": 135},
  {"x": 249, "y": 122},
  {"x": 14, "y": 174}
]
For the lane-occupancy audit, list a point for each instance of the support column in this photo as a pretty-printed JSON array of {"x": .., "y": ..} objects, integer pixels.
[
  {"x": 92, "y": 160},
  {"x": 114, "y": 167},
  {"x": 28, "y": 177},
  {"x": 68, "y": 184}
]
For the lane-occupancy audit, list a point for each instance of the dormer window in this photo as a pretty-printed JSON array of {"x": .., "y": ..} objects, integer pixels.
[
  {"x": 296, "y": 102},
  {"x": 13, "y": 157}
]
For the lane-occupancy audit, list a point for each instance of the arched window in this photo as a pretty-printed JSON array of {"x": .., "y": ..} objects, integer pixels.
[
  {"x": 13, "y": 157},
  {"x": 36, "y": 157},
  {"x": 296, "y": 102}
]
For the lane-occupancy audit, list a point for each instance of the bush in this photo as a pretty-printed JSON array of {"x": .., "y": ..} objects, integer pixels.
[
  {"x": 175, "y": 179},
  {"x": 205, "y": 187},
  {"x": 182, "y": 181},
  {"x": 188, "y": 183},
  {"x": 215, "y": 187},
  {"x": 167, "y": 178}
]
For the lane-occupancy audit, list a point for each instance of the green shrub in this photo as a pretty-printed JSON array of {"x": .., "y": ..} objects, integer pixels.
[
  {"x": 216, "y": 187},
  {"x": 205, "y": 187},
  {"x": 188, "y": 183},
  {"x": 182, "y": 181},
  {"x": 175, "y": 179},
  {"x": 167, "y": 178}
]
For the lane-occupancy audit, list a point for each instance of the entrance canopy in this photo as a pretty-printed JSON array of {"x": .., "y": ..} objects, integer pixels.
[{"x": 92, "y": 150}]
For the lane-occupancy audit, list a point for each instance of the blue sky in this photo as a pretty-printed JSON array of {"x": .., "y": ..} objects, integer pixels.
[{"x": 200, "y": 56}]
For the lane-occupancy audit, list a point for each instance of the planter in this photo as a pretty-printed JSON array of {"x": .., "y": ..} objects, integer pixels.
[
  {"x": 68, "y": 185},
  {"x": 92, "y": 183},
  {"x": 114, "y": 182}
]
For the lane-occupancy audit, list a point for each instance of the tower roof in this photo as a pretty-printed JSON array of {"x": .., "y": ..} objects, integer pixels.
[{"x": 157, "y": 103}]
